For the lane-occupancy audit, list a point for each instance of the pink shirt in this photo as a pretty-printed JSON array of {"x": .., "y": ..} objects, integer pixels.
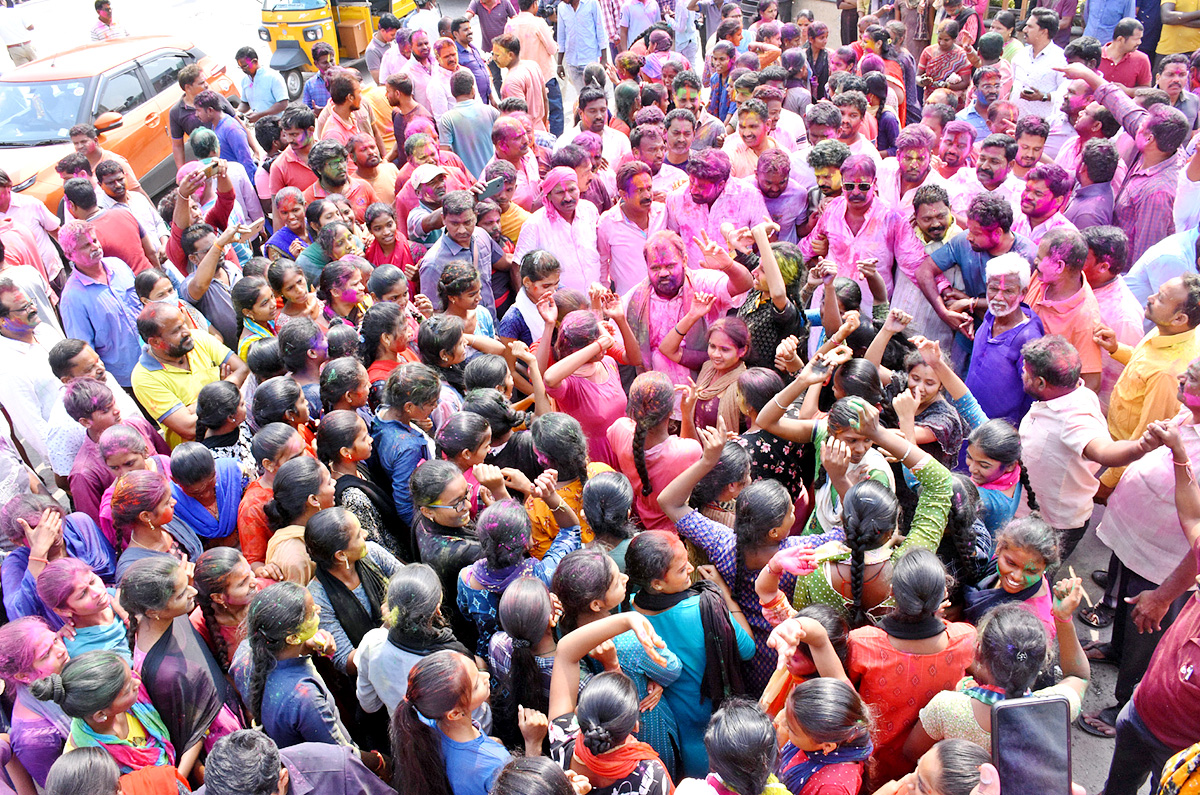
[
  {"x": 1070, "y": 157},
  {"x": 1074, "y": 317},
  {"x": 1035, "y": 234},
  {"x": 885, "y": 235},
  {"x": 743, "y": 159},
  {"x": 537, "y": 40},
  {"x": 887, "y": 185},
  {"x": 596, "y": 405},
  {"x": 664, "y": 462},
  {"x": 1120, "y": 311},
  {"x": 573, "y": 244},
  {"x": 739, "y": 204},
  {"x": 965, "y": 185},
  {"x": 622, "y": 246},
  {"x": 526, "y": 81},
  {"x": 421, "y": 75}
]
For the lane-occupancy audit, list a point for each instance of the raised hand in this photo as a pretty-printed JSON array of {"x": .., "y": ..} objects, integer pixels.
[
  {"x": 1105, "y": 337},
  {"x": 738, "y": 239},
  {"x": 702, "y": 303},
  {"x": 548, "y": 309},
  {"x": 612, "y": 307},
  {"x": 545, "y": 485},
  {"x": 46, "y": 535},
  {"x": 906, "y": 403},
  {"x": 897, "y": 321},
  {"x": 606, "y": 655},
  {"x": 1068, "y": 593},
  {"x": 533, "y": 724},
  {"x": 785, "y": 354},
  {"x": 712, "y": 440},
  {"x": 835, "y": 457},
  {"x": 516, "y": 480},
  {"x": 489, "y": 476},
  {"x": 794, "y": 560}
]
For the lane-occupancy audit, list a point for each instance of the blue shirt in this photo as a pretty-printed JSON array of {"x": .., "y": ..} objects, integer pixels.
[
  {"x": 105, "y": 316},
  {"x": 1102, "y": 17},
  {"x": 316, "y": 93},
  {"x": 581, "y": 33},
  {"x": 971, "y": 116},
  {"x": 399, "y": 449},
  {"x": 472, "y": 59},
  {"x": 994, "y": 377},
  {"x": 1166, "y": 259},
  {"x": 297, "y": 705},
  {"x": 974, "y": 263},
  {"x": 472, "y": 766},
  {"x": 234, "y": 145},
  {"x": 263, "y": 90},
  {"x": 467, "y": 129}
]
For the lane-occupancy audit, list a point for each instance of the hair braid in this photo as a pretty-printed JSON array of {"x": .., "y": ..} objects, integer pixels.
[
  {"x": 262, "y": 662},
  {"x": 639, "y": 457},
  {"x": 858, "y": 616},
  {"x": 131, "y": 632},
  {"x": 216, "y": 642},
  {"x": 1028, "y": 487}
]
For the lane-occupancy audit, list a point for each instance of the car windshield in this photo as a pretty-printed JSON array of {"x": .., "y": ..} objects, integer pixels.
[
  {"x": 39, "y": 113},
  {"x": 292, "y": 5}
]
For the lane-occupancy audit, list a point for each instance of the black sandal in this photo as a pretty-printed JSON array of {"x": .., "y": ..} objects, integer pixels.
[
  {"x": 1097, "y": 617},
  {"x": 1103, "y": 716},
  {"x": 1104, "y": 652}
]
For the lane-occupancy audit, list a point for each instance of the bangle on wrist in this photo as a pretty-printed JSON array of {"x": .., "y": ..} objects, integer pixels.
[
  {"x": 38, "y": 560},
  {"x": 680, "y": 333}
]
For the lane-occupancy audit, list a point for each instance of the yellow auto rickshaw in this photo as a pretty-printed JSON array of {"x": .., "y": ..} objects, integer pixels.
[{"x": 292, "y": 27}]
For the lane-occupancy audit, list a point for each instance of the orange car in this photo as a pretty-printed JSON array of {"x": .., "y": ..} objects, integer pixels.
[{"x": 125, "y": 87}]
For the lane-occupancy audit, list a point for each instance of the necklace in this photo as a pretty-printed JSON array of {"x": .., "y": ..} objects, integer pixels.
[{"x": 137, "y": 543}]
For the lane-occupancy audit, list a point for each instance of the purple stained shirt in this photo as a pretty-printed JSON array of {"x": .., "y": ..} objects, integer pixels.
[
  {"x": 492, "y": 21},
  {"x": 996, "y": 363}
]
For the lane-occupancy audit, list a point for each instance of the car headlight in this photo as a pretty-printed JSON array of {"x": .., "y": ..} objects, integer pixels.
[
  {"x": 313, "y": 33},
  {"x": 24, "y": 185},
  {"x": 264, "y": 34}
]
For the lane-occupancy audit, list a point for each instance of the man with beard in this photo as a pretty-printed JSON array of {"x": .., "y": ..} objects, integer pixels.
[
  {"x": 419, "y": 66},
  {"x": 464, "y": 241},
  {"x": 373, "y": 169},
  {"x": 1093, "y": 120},
  {"x": 656, "y": 305},
  {"x": 1047, "y": 188},
  {"x": 784, "y": 197},
  {"x": 853, "y": 107},
  {"x": 954, "y": 150},
  {"x": 680, "y": 125},
  {"x": 751, "y": 139},
  {"x": 99, "y": 304},
  {"x": 934, "y": 226},
  {"x": 1107, "y": 260},
  {"x": 344, "y": 116},
  {"x": 710, "y": 199},
  {"x": 511, "y": 144},
  {"x": 566, "y": 226},
  {"x": 785, "y": 127},
  {"x": 900, "y": 176},
  {"x": 625, "y": 228},
  {"x": 175, "y": 366},
  {"x": 1031, "y": 134},
  {"x": 858, "y": 227},
  {"x": 825, "y": 162},
  {"x": 593, "y": 117},
  {"x": 297, "y": 129},
  {"x": 650, "y": 148},
  {"x": 822, "y": 120},
  {"x": 29, "y": 389},
  {"x": 993, "y": 173},
  {"x": 988, "y": 234},
  {"x": 327, "y": 159},
  {"x": 987, "y": 80},
  {"x": 1121, "y": 61}
]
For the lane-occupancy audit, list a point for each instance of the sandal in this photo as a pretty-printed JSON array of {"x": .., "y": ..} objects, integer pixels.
[
  {"x": 1098, "y": 724},
  {"x": 1097, "y": 617},
  {"x": 1099, "y": 651}
]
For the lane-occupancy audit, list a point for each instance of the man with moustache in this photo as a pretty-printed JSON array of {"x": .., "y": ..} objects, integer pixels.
[
  {"x": 175, "y": 366},
  {"x": 680, "y": 128},
  {"x": 1090, "y": 121},
  {"x": 901, "y": 176},
  {"x": 709, "y": 200},
  {"x": 1031, "y": 134},
  {"x": 1172, "y": 77},
  {"x": 988, "y": 234},
  {"x": 822, "y": 120},
  {"x": 954, "y": 149},
  {"x": 987, "y": 80},
  {"x": 752, "y": 138},
  {"x": 29, "y": 389},
  {"x": 626, "y": 226},
  {"x": 1047, "y": 189},
  {"x": 785, "y": 198},
  {"x": 825, "y": 162},
  {"x": 511, "y": 144},
  {"x": 993, "y": 173},
  {"x": 857, "y": 226},
  {"x": 650, "y": 148},
  {"x": 371, "y": 168},
  {"x": 566, "y": 226},
  {"x": 935, "y": 226},
  {"x": 656, "y": 305}
]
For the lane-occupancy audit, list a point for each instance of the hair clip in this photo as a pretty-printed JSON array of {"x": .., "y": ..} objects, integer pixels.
[{"x": 1022, "y": 656}]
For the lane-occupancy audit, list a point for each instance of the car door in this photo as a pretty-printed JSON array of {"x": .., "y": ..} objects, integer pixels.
[
  {"x": 139, "y": 138},
  {"x": 162, "y": 73}
]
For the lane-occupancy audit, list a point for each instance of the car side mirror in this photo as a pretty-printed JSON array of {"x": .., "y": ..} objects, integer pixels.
[{"x": 110, "y": 120}]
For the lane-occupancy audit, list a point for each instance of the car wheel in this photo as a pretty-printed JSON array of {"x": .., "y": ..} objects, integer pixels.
[{"x": 294, "y": 80}]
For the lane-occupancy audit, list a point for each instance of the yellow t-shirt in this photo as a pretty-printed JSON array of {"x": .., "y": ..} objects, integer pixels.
[
  {"x": 512, "y": 220},
  {"x": 164, "y": 389},
  {"x": 1180, "y": 38}
]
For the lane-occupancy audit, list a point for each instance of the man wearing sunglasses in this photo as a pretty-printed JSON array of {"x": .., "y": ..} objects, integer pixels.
[{"x": 860, "y": 234}]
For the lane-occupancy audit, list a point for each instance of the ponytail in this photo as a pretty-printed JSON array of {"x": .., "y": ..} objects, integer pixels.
[{"x": 437, "y": 684}]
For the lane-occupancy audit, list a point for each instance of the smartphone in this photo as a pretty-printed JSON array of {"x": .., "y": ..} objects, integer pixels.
[
  {"x": 1031, "y": 745},
  {"x": 210, "y": 166},
  {"x": 490, "y": 189}
]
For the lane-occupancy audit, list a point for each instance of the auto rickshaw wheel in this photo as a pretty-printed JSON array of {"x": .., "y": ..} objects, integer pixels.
[{"x": 294, "y": 80}]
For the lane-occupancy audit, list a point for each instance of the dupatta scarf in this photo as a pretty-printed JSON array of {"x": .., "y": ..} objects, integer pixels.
[
  {"x": 230, "y": 483},
  {"x": 129, "y": 757}
]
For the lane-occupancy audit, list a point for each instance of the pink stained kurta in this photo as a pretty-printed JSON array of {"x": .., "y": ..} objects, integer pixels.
[
  {"x": 739, "y": 204},
  {"x": 597, "y": 406},
  {"x": 574, "y": 244},
  {"x": 1120, "y": 311},
  {"x": 885, "y": 235},
  {"x": 664, "y": 462}
]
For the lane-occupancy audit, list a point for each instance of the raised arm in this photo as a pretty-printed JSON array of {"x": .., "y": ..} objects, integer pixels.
[
  {"x": 670, "y": 346},
  {"x": 566, "y": 366},
  {"x": 770, "y": 267},
  {"x": 1068, "y": 593},
  {"x": 673, "y": 499},
  {"x": 520, "y": 352},
  {"x": 897, "y": 321},
  {"x": 614, "y": 310},
  {"x": 771, "y": 417},
  {"x": 575, "y": 645}
]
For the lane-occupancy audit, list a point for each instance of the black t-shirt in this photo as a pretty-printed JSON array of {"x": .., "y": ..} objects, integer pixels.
[{"x": 184, "y": 119}]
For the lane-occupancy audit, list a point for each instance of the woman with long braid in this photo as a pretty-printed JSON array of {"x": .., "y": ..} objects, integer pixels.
[{"x": 646, "y": 451}]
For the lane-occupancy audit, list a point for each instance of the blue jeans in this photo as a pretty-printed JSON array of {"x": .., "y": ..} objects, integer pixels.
[
  {"x": 554, "y": 94},
  {"x": 1138, "y": 754}
]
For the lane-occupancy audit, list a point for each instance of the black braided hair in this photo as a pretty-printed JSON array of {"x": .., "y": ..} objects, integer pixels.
[
  {"x": 869, "y": 512},
  {"x": 276, "y": 612},
  {"x": 213, "y": 568},
  {"x": 651, "y": 399},
  {"x": 1030, "y": 497}
]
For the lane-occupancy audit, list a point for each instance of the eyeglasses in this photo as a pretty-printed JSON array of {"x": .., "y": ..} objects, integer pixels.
[
  {"x": 861, "y": 187},
  {"x": 457, "y": 505}
]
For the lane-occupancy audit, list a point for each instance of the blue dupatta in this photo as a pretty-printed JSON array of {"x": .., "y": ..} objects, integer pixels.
[{"x": 230, "y": 482}]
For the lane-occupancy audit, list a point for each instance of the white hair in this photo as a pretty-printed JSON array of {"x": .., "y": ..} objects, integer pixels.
[{"x": 1010, "y": 264}]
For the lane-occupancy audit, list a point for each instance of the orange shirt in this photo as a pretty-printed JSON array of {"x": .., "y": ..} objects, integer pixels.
[
  {"x": 358, "y": 192},
  {"x": 289, "y": 170}
]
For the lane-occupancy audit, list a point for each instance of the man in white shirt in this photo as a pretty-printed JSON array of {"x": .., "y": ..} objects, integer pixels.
[
  {"x": 29, "y": 389},
  {"x": 992, "y": 173},
  {"x": 14, "y": 32},
  {"x": 1037, "y": 88},
  {"x": 593, "y": 117},
  {"x": 34, "y": 217},
  {"x": 112, "y": 182}
]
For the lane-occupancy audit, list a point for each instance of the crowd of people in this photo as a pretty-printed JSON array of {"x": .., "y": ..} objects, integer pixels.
[{"x": 727, "y": 429}]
